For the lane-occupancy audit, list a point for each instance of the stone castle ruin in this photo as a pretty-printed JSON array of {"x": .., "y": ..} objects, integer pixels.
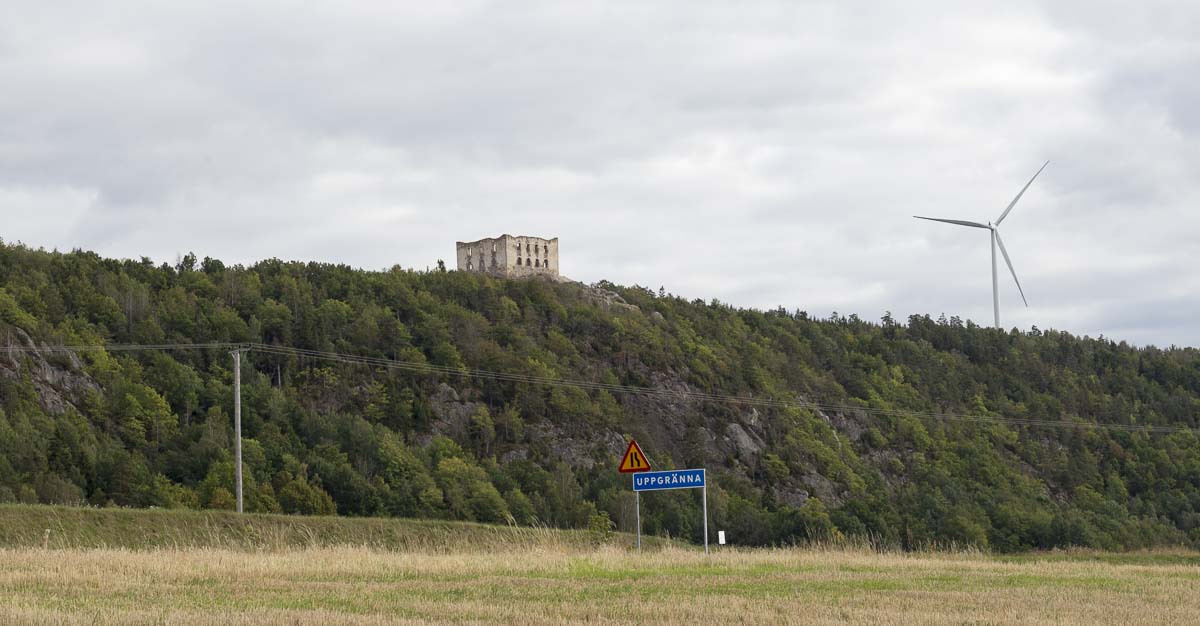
[{"x": 510, "y": 256}]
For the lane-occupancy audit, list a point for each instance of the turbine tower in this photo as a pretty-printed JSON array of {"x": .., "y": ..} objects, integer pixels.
[{"x": 995, "y": 233}]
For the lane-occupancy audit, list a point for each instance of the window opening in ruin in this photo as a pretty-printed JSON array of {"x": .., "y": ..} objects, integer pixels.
[
  {"x": 537, "y": 263},
  {"x": 518, "y": 260}
]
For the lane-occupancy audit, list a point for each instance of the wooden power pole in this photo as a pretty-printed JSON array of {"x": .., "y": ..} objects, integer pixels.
[{"x": 237, "y": 423}]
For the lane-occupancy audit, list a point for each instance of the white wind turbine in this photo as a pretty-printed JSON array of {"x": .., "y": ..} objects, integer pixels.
[{"x": 996, "y": 240}]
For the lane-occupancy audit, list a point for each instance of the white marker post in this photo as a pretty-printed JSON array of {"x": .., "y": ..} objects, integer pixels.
[
  {"x": 705, "y": 496},
  {"x": 637, "y": 513}
]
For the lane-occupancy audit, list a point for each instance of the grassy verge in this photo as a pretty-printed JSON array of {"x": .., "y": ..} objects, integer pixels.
[{"x": 87, "y": 528}]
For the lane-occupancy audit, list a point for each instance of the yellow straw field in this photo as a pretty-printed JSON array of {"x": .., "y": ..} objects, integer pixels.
[{"x": 567, "y": 583}]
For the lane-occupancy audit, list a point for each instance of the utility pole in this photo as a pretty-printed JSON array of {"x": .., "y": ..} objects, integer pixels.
[{"x": 237, "y": 422}]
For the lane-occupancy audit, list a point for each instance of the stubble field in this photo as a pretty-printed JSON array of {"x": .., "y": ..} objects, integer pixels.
[
  {"x": 121, "y": 566},
  {"x": 564, "y": 583}
]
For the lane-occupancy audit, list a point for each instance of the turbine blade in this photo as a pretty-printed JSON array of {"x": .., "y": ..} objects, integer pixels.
[
  {"x": 1014, "y": 202},
  {"x": 959, "y": 222},
  {"x": 1010, "y": 267}
]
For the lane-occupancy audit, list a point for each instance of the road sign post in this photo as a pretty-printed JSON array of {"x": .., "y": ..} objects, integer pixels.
[
  {"x": 634, "y": 462},
  {"x": 676, "y": 479}
]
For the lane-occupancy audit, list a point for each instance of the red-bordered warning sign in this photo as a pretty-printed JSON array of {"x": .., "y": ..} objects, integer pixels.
[{"x": 634, "y": 460}]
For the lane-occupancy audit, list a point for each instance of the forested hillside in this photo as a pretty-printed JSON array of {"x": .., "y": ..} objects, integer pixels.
[{"x": 909, "y": 459}]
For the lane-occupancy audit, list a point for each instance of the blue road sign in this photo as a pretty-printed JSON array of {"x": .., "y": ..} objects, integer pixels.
[{"x": 672, "y": 479}]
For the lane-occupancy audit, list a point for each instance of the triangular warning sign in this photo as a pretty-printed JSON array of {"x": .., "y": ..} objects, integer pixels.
[{"x": 634, "y": 460}]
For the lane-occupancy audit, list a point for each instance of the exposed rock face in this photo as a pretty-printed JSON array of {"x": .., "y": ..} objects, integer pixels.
[
  {"x": 822, "y": 488},
  {"x": 608, "y": 299},
  {"x": 580, "y": 448},
  {"x": 851, "y": 425},
  {"x": 791, "y": 496},
  {"x": 452, "y": 414},
  {"x": 746, "y": 445},
  {"x": 669, "y": 422},
  {"x": 575, "y": 444},
  {"x": 57, "y": 377}
]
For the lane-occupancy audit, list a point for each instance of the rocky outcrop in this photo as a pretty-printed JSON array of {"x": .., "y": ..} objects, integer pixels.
[
  {"x": 452, "y": 414},
  {"x": 58, "y": 377},
  {"x": 607, "y": 299},
  {"x": 746, "y": 445}
]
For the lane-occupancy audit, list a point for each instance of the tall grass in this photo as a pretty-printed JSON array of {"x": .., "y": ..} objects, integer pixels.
[{"x": 73, "y": 528}]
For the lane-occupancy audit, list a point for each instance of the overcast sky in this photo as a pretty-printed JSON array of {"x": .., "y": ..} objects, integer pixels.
[{"x": 764, "y": 154}]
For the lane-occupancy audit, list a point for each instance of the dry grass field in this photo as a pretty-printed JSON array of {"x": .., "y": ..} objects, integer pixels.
[
  {"x": 116, "y": 566},
  {"x": 561, "y": 583}
]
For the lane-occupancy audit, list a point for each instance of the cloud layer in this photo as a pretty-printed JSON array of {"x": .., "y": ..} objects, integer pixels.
[{"x": 764, "y": 154}]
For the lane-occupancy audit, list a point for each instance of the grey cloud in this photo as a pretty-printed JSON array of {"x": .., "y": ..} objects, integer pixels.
[{"x": 765, "y": 154}]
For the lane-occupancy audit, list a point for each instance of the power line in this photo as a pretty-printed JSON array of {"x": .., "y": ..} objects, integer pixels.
[
  {"x": 429, "y": 368},
  {"x": 700, "y": 395},
  {"x": 128, "y": 347}
]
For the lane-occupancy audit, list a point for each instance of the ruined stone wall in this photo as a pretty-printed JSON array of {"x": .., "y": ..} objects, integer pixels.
[
  {"x": 485, "y": 255},
  {"x": 510, "y": 256}
]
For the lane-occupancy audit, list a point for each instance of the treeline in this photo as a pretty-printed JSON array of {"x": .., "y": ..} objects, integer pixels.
[{"x": 153, "y": 428}]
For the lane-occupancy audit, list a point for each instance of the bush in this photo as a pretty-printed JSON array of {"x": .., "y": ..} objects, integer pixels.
[{"x": 600, "y": 528}]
